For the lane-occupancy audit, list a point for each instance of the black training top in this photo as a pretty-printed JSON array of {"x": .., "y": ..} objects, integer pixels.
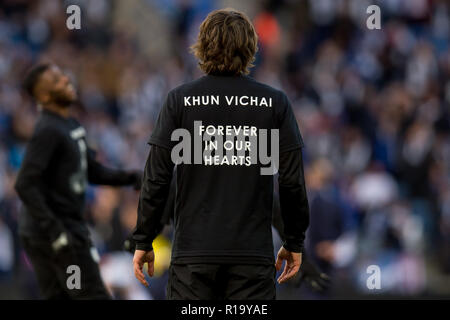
[
  {"x": 53, "y": 177},
  {"x": 223, "y": 209}
]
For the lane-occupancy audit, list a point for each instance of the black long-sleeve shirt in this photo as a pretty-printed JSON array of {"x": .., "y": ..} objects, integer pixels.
[
  {"x": 157, "y": 201},
  {"x": 223, "y": 210},
  {"x": 53, "y": 176}
]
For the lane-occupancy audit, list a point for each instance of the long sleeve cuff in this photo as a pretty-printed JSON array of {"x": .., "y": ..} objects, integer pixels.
[
  {"x": 293, "y": 247},
  {"x": 144, "y": 246},
  {"x": 294, "y": 244}
]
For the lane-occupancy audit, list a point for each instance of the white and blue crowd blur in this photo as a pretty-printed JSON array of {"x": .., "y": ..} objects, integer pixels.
[{"x": 372, "y": 107}]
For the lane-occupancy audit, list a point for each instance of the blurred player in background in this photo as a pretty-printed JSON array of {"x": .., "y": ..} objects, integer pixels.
[{"x": 52, "y": 182}]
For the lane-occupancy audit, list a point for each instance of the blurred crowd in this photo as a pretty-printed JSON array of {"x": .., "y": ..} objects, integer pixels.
[{"x": 373, "y": 107}]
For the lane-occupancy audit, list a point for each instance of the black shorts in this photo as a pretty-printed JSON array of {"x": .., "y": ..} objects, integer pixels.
[
  {"x": 54, "y": 274},
  {"x": 221, "y": 282}
]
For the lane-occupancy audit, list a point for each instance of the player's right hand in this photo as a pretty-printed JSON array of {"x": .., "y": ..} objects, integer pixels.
[{"x": 140, "y": 258}]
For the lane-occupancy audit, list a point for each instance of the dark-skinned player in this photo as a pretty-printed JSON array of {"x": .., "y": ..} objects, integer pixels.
[{"x": 57, "y": 166}]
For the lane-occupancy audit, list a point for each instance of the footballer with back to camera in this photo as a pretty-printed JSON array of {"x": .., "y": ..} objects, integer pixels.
[
  {"x": 51, "y": 183},
  {"x": 222, "y": 246}
]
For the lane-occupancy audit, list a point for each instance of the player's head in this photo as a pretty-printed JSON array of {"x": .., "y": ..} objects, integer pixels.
[
  {"x": 49, "y": 85},
  {"x": 226, "y": 44}
]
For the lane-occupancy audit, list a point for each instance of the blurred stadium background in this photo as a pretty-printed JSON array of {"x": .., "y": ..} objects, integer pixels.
[{"x": 373, "y": 107}]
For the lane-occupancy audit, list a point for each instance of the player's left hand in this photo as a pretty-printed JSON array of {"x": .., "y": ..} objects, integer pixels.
[{"x": 293, "y": 262}]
